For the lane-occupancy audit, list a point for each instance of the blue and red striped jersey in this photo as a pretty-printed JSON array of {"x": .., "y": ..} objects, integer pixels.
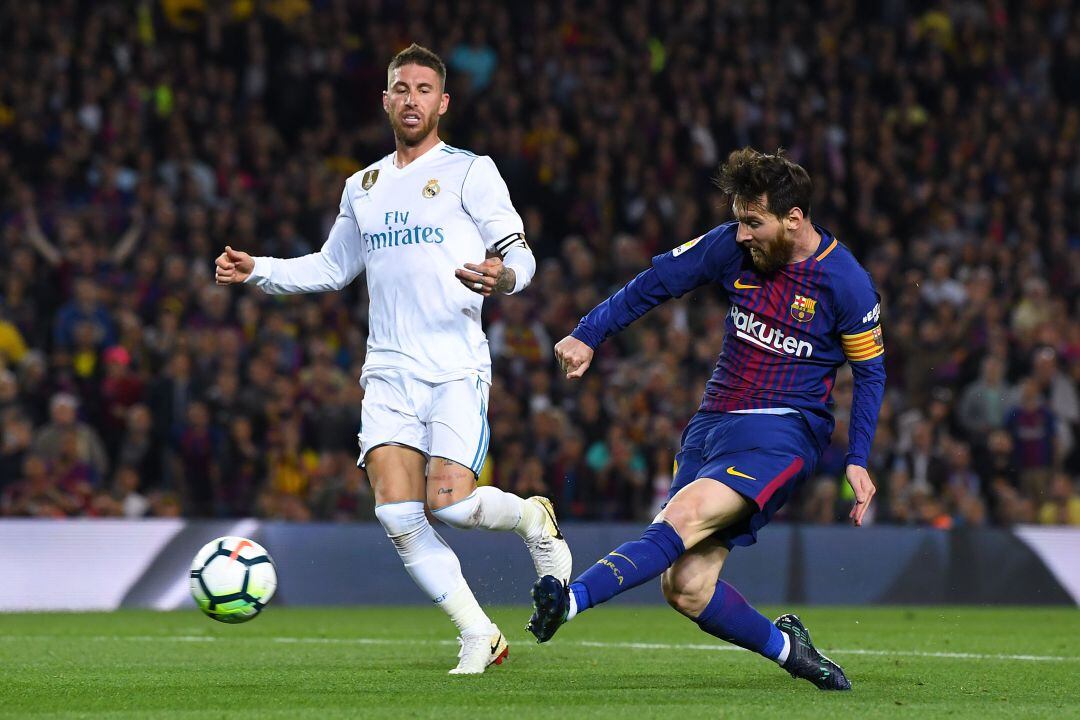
[{"x": 787, "y": 332}]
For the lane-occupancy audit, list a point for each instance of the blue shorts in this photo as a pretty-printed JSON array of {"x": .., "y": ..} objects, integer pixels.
[{"x": 764, "y": 458}]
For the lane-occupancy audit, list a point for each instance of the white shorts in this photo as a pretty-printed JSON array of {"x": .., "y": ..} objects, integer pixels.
[{"x": 447, "y": 420}]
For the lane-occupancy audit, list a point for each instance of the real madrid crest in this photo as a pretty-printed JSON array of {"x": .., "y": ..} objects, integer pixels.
[
  {"x": 369, "y": 179},
  {"x": 803, "y": 308},
  {"x": 431, "y": 189}
]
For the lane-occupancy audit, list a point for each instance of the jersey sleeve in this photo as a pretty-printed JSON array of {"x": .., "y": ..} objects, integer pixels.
[
  {"x": 485, "y": 197},
  {"x": 859, "y": 323},
  {"x": 636, "y": 298},
  {"x": 336, "y": 265},
  {"x": 704, "y": 259},
  {"x": 859, "y": 318}
]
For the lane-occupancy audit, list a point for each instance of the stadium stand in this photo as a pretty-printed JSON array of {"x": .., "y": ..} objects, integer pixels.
[{"x": 943, "y": 137}]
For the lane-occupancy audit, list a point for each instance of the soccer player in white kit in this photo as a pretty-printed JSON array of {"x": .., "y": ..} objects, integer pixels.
[{"x": 420, "y": 222}]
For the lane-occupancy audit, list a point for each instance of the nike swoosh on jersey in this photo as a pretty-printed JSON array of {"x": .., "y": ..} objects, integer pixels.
[
  {"x": 732, "y": 471},
  {"x": 740, "y": 286}
]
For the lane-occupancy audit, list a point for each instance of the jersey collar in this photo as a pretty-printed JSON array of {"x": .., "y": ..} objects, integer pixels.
[
  {"x": 826, "y": 246},
  {"x": 422, "y": 160}
]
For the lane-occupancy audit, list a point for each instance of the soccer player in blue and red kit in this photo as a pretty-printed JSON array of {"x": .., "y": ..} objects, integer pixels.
[{"x": 801, "y": 306}]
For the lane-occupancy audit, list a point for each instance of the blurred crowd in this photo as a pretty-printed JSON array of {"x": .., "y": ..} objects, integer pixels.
[{"x": 137, "y": 139}]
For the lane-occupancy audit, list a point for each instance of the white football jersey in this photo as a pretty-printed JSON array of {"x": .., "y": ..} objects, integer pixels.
[{"x": 410, "y": 228}]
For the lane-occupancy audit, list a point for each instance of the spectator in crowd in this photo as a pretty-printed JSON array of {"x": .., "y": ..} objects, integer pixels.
[
  {"x": 1062, "y": 505},
  {"x": 925, "y": 469},
  {"x": 66, "y": 433},
  {"x": 37, "y": 494},
  {"x": 1033, "y": 428},
  {"x": 984, "y": 402},
  {"x": 12, "y": 345},
  {"x": 14, "y": 445},
  {"x": 1059, "y": 392}
]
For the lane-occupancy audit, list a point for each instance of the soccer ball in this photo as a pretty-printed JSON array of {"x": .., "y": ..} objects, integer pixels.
[{"x": 232, "y": 579}]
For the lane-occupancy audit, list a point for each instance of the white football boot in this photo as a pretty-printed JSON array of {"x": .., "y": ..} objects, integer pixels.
[
  {"x": 550, "y": 553},
  {"x": 481, "y": 650}
]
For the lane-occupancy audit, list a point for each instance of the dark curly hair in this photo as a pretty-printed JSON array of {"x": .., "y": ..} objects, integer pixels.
[
  {"x": 748, "y": 174},
  {"x": 417, "y": 55}
]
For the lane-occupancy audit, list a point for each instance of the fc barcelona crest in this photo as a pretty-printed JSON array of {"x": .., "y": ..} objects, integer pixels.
[
  {"x": 369, "y": 179},
  {"x": 803, "y": 308},
  {"x": 431, "y": 189}
]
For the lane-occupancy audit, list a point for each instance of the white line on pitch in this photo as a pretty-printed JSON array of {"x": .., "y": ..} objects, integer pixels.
[{"x": 578, "y": 643}]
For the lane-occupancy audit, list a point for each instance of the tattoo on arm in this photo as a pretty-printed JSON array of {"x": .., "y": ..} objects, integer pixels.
[
  {"x": 446, "y": 491},
  {"x": 505, "y": 282}
]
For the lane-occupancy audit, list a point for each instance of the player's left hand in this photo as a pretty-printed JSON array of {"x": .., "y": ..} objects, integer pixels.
[
  {"x": 864, "y": 489},
  {"x": 487, "y": 278}
]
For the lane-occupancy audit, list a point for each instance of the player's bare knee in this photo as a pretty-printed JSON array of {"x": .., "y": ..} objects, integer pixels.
[{"x": 681, "y": 516}]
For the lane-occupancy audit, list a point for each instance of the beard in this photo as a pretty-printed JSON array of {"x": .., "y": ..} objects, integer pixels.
[
  {"x": 776, "y": 254},
  {"x": 411, "y": 136}
]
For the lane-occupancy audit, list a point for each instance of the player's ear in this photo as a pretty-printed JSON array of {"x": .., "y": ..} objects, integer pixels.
[
  {"x": 385, "y": 102},
  {"x": 794, "y": 219},
  {"x": 444, "y": 103}
]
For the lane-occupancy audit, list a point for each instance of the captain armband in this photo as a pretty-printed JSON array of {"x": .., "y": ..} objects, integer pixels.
[
  {"x": 863, "y": 346},
  {"x": 511, "y": 241}
]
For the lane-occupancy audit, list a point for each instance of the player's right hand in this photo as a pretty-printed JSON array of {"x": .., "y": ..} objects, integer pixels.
[
  {"x": 864, "y": 490},
  {"x": 574, "y": 356},
  {"x": 233, "y": 266}
]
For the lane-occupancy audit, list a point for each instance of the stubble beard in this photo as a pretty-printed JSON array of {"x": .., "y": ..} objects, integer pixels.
[
  {"x": 413, "y": 136},
  {"x": 776, "y": 255}
]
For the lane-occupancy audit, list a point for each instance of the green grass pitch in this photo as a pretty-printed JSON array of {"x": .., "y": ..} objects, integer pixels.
[{"x": 623, "y": 662}]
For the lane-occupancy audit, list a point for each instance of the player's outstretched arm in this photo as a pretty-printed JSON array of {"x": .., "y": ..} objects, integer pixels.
[
  {"x": 232, "y": 267},
  {"x": 339, "y": 261},
  {"x": 636, "y": 298},
  {"x": 574, "y": 356}
]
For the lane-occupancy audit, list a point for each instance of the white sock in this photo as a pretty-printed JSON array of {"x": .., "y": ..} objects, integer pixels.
[
  {"x": 465, "y": 612},
  {"x": 782, "y": 657},
  {"x": 573, "y": 608},
  {"x": 431, "y": 563}
]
